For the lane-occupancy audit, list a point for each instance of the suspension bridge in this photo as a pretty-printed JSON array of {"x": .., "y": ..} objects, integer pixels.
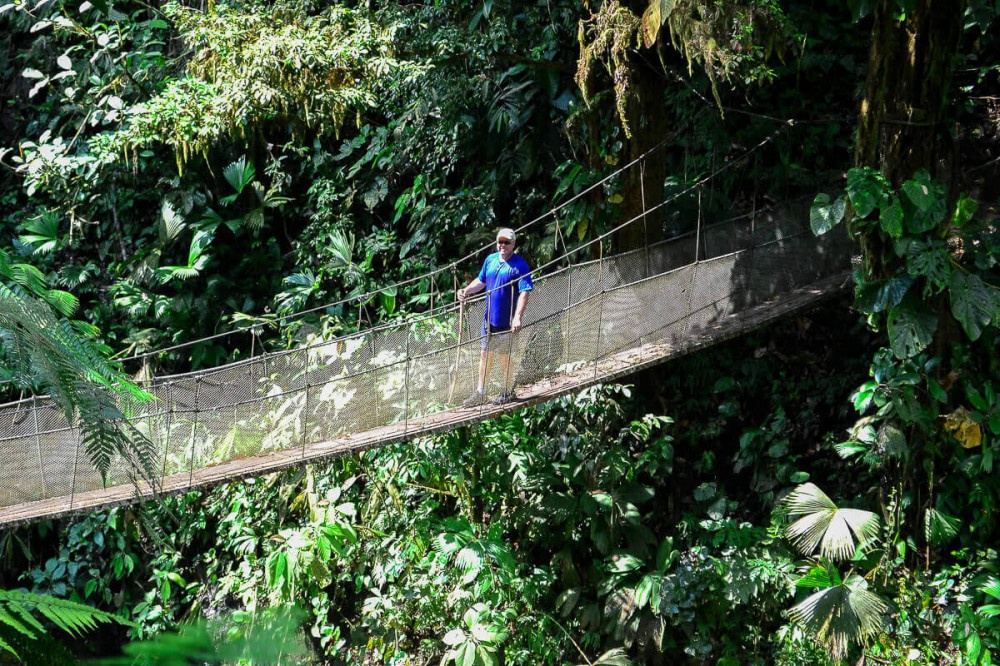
[{"x": 586, "y": 322}]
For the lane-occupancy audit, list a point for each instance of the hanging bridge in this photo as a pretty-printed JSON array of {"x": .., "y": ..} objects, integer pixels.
[{"x": 585, "y": 323}]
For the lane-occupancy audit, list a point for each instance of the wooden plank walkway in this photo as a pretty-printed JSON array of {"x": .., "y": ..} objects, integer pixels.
[{"x": 605, "y": 369}]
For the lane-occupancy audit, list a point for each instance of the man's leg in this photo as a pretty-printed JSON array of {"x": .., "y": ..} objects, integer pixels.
[
  {"x": 485, "y": 366},
  {"x": 478, "y": 396},
  {"x": 508, "y": 380}
]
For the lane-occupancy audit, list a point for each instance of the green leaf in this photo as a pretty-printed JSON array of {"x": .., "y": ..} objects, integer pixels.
[
  {"x": 567, "y": 601},
  {"x": 965, "y": 210},
  {"x": 820, "y": 575},
  {"x": 465, "y": 654},
  {"x": 911, "y": 328},
  {"x": 624, "y": 562},
  {"x": 891, "y": 218},
  {"x": 825, "y": 214},
  {"x": 656, "y": 15},
  {"x": 931, "y": 260},
  {"x": 864, "y": 187},
  {"x": 939, "y": 527},
  {"x": 647, "y": 589},
  {"x": 602, "y": 498},
  {"x": 239, "y": 174},
  {"x": 920, "y": 194},
  {"x": 973, "y": 304},
  {"x": 881, "y": 295},
  {"x": 860, "y": 8}
]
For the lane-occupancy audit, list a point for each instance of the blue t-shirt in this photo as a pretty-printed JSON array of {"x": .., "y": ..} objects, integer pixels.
[{"x": 504, "y": 280}]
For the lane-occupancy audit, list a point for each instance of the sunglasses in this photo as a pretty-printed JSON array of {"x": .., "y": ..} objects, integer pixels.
[{"x": 504, "y": 242}]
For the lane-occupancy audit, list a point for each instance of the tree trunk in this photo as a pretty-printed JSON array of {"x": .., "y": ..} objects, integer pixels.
[
  {"x": 902, "y": 119},
  {"x": 643, "y": 186}
]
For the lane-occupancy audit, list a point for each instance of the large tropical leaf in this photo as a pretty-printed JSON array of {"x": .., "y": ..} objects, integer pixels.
[
  {"x": 911, "y": 327},
  {"x": 973, "y": 303},
  {"x": 825, "y": 525},
  {"x": 840, "y": 615}
]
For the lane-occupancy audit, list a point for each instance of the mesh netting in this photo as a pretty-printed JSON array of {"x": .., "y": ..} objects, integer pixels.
[{"x": 387, "y": 381}]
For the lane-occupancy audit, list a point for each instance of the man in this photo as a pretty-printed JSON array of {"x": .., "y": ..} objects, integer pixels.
[{"x": 507, "y": 280}]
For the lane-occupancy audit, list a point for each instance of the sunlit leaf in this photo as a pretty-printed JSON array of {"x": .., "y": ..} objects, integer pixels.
[
  {"x": 825, "y": 526},
  {"x": 825, "y": 213},
  {"x": 966, "y": 432},
  {"x": 841, "y": 615}
]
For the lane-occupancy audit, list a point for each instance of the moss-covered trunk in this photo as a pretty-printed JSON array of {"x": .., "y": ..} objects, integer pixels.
[{"x": 903, "y": 119}]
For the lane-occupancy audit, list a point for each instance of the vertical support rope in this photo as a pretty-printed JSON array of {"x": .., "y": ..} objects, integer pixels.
[
  {"x": 194, "y": 427},
  {"x": 76, "y": 465},
  {"x": 458, "y": 350},
  {"x": 170, "y": 422},
  {"x": 562, "y": 240},
  {"x": 406, "y": 383},
  {"x": 600, "y": 265},
  {"x": 38, "y": 446},
  {"x": 305, "y": 408},
  {"x": 600, "y": 324},
  {"x": 645, "y": 229},
  {"x": 508, "y": 379},
  {"x": 697, "y": 230},
  {"x": 376, "y": 394},
  {"x": 568, "y": 333},
  {"x": 750, "y": 250}
]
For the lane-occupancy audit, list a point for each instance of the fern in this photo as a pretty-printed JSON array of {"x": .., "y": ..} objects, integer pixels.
[
  {"x": 41, "y": 350},
  {"x": 18, "y": 610}
]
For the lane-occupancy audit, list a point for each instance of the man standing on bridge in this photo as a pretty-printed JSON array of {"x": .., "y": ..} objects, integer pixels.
[{"x": 507, "y": 280}]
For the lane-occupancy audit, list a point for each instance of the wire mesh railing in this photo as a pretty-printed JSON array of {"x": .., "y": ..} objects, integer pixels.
[{"x": 395, "y": 377}]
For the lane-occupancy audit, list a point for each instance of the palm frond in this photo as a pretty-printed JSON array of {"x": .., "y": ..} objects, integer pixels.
[
  {"x": 825, "y": 526},
  {"x": 239, "y": 174},
  {"x": 840, "y": 615},
  {"x": 939, "y": 527},
  {"x": 171, "y": 223}
]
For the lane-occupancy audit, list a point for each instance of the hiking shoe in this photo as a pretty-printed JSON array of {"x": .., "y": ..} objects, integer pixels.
[
  {"x": 505, "y": 398},
  {"x": 475, "y": 399}
]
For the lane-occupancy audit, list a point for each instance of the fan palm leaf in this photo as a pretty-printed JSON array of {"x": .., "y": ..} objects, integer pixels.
[
  {"x": 826, "y": 526},
  {"x": 840, "y": 615}
]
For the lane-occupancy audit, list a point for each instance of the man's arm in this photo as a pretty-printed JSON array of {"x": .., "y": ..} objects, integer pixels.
[
  {"x": 473, "y": 287},
  {"x": 522, "y": 301}
]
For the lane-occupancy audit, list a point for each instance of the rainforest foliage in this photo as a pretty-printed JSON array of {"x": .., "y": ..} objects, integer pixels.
[{"x": 817, "y": 491}]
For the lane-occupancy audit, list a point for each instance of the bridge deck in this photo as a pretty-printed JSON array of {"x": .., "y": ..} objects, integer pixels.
[{"x": 607, "y": 368}]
